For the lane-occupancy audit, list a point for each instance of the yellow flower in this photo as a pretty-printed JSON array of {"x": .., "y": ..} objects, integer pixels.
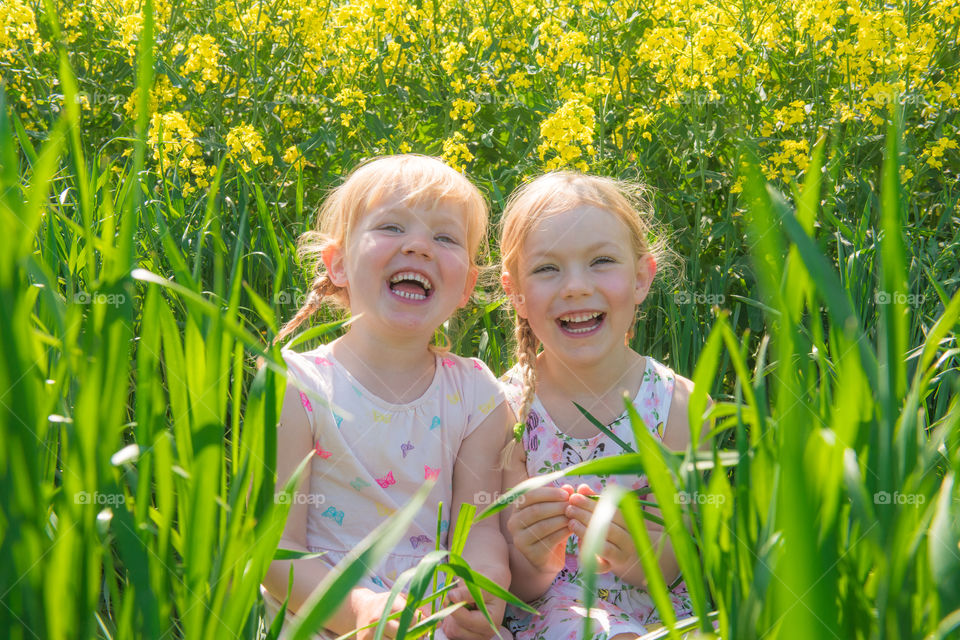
[
  {"x": 243, "y": 141},
  {"x": 204, "y": 53},
  {"x": 452, "y": 53},
  {"x": 292, "y": 154},
  {"x": 567, "y": 134},
  {"x": 456, "y": 153}
]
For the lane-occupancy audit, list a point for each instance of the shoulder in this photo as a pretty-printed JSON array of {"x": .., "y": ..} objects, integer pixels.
[
  {"x": 468, "y": 372},
  {"x": 676, "y": 435},
  {"x": 512, "y": 384}
]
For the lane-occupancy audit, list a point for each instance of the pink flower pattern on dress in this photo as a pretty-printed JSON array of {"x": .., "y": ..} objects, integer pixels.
[{"x": 620, "y": 607}]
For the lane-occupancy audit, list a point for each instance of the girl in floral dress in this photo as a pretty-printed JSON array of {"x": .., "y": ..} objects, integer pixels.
[
  {"x": 576, "y": 263},
  {"x": 382, "y": 408}
]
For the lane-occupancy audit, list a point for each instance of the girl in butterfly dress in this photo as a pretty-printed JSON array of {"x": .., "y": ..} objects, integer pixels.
[
  {"x": 576, "y": 264},
  {"x": 382, "y": 408}
]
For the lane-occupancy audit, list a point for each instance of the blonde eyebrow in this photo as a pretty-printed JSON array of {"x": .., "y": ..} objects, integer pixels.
[{"x": 596, "y": 246}]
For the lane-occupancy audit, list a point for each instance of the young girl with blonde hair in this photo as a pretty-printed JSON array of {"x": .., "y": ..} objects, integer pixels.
[
  {"x": 397, "y": 244},
  {"x": 576, "y": 265}
]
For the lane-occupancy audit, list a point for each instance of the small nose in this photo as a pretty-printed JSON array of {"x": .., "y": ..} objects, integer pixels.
[
  {"x": 417, "y": 243},
  {"x": 575, "y": 284}
]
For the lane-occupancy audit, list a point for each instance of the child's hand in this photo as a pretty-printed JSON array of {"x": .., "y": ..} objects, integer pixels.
[
  {"x": 468, "y": 622},
  {"x": 618, "y": 553},
  {"x": 369, "y": 605},
  {"x": 539, "y": 527}
]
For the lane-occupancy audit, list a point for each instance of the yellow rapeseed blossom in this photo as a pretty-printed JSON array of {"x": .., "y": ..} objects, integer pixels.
[
  {"x": 452, "y": 53},
  {"x": 456, "y": 153},
  {"x": 292, "y": 154},
  {"x": 933, "y": 155},
  {"x": 463, "y": 110},
  {"x": 567, "y": 134},
  {"x": 203, "y": 57},
  {"x": 175, "y": 147},
  {"x": 244, "y": 142},
  {"x": 17, "y": 24},
  {"x": 350, "y": 96},
  {"x": 162, "y": 95}
]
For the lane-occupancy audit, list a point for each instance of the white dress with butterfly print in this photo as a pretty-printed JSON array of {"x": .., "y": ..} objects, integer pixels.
[
  {"x": 373, "y": 455},
  {"x": 618, "y": 607}
]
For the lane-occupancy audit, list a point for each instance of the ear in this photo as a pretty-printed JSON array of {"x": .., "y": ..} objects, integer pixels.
[
  {"x": 646, "y": 270},
  {"x": 332, "y": 258},
  {"x": 516, "y": 298},
  {"x": 472, "y": 276}
]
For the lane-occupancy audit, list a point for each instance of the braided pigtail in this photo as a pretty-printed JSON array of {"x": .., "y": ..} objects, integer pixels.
[
  {"x": 526, "y": 355},
  {"x": 322, "y": 287}
]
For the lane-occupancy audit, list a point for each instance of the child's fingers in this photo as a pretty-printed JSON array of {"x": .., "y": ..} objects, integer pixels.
[
  {"x": 534, "y": 514},
  {"x": 585, "y": 490},
  {"x": 581, "y": 514},
  {"x": 464, "y": 624},
  {"x": 540, "y": 530},
  {"x": 544, "y": 494}
]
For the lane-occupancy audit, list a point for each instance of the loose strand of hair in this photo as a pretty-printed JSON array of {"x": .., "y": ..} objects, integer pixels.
[{"x": 322, "y": 287}]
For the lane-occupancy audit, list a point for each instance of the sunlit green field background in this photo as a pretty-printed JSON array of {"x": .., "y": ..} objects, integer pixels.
[{"x": 159, "y": 160}]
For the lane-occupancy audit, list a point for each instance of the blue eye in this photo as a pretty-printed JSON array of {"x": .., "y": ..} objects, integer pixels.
[
  {"x": 603, "y": 260},
  {"x": 443, "y": 237},
  {"x": 545, "y": 268},
  {"x": 395, "y": 228}
]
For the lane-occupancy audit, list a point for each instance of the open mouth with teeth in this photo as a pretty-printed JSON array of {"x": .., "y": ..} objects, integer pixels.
[
  {"x": 581, "y": 323},
  {"x": 410, "y": 285}
]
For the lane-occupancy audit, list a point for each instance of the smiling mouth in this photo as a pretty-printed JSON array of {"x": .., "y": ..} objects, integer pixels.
[
  {"x": 581, "y": 323},
  {"x": 411, "y": 286}
]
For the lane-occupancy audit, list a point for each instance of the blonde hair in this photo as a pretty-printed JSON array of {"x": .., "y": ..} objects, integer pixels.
[
  {"x": 417, "y": 179},
  {"x": 552, "y": 194}
]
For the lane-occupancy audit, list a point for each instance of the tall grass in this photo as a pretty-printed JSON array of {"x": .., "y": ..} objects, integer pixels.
[
  {"x": 137, "y": 430},
  {"x": 836, "y": 513}
]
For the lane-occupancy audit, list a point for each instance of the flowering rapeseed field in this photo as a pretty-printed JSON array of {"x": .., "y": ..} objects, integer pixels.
[
  {"x": 148, "y": 255},
  {"x": 665, "y": 89}
]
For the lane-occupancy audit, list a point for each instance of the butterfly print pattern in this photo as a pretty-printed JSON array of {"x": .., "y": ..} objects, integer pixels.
[
  {"x": 416, "y": 541},
  {"x": 334, "y": 514},
  {"x": 359, "y": 483},
  {"x": 305, "y": 401},
  {"x": 430, "y": 474},
  {"x": 321, "y": 452},
  {"x": 386, "y": 480},
  {"x": 571, "y": 456},
  {"x": 406, "y": 448}
]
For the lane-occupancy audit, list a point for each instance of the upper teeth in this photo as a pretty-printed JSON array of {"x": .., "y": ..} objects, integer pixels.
[
  {"x": 409, "y": 275},
  {"x": 580, "y": 317}
]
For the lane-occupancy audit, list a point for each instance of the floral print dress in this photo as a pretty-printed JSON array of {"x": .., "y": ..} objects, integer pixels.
[{"x": 618, "y": 606}]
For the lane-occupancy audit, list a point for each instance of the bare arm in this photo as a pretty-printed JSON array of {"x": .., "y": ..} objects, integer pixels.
[
  {"x": 676, "y": 437},
  {"x": 294, "y": 441},
  {"x": 536, "y": 531},
  {"x": 476, "y": 477}
]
